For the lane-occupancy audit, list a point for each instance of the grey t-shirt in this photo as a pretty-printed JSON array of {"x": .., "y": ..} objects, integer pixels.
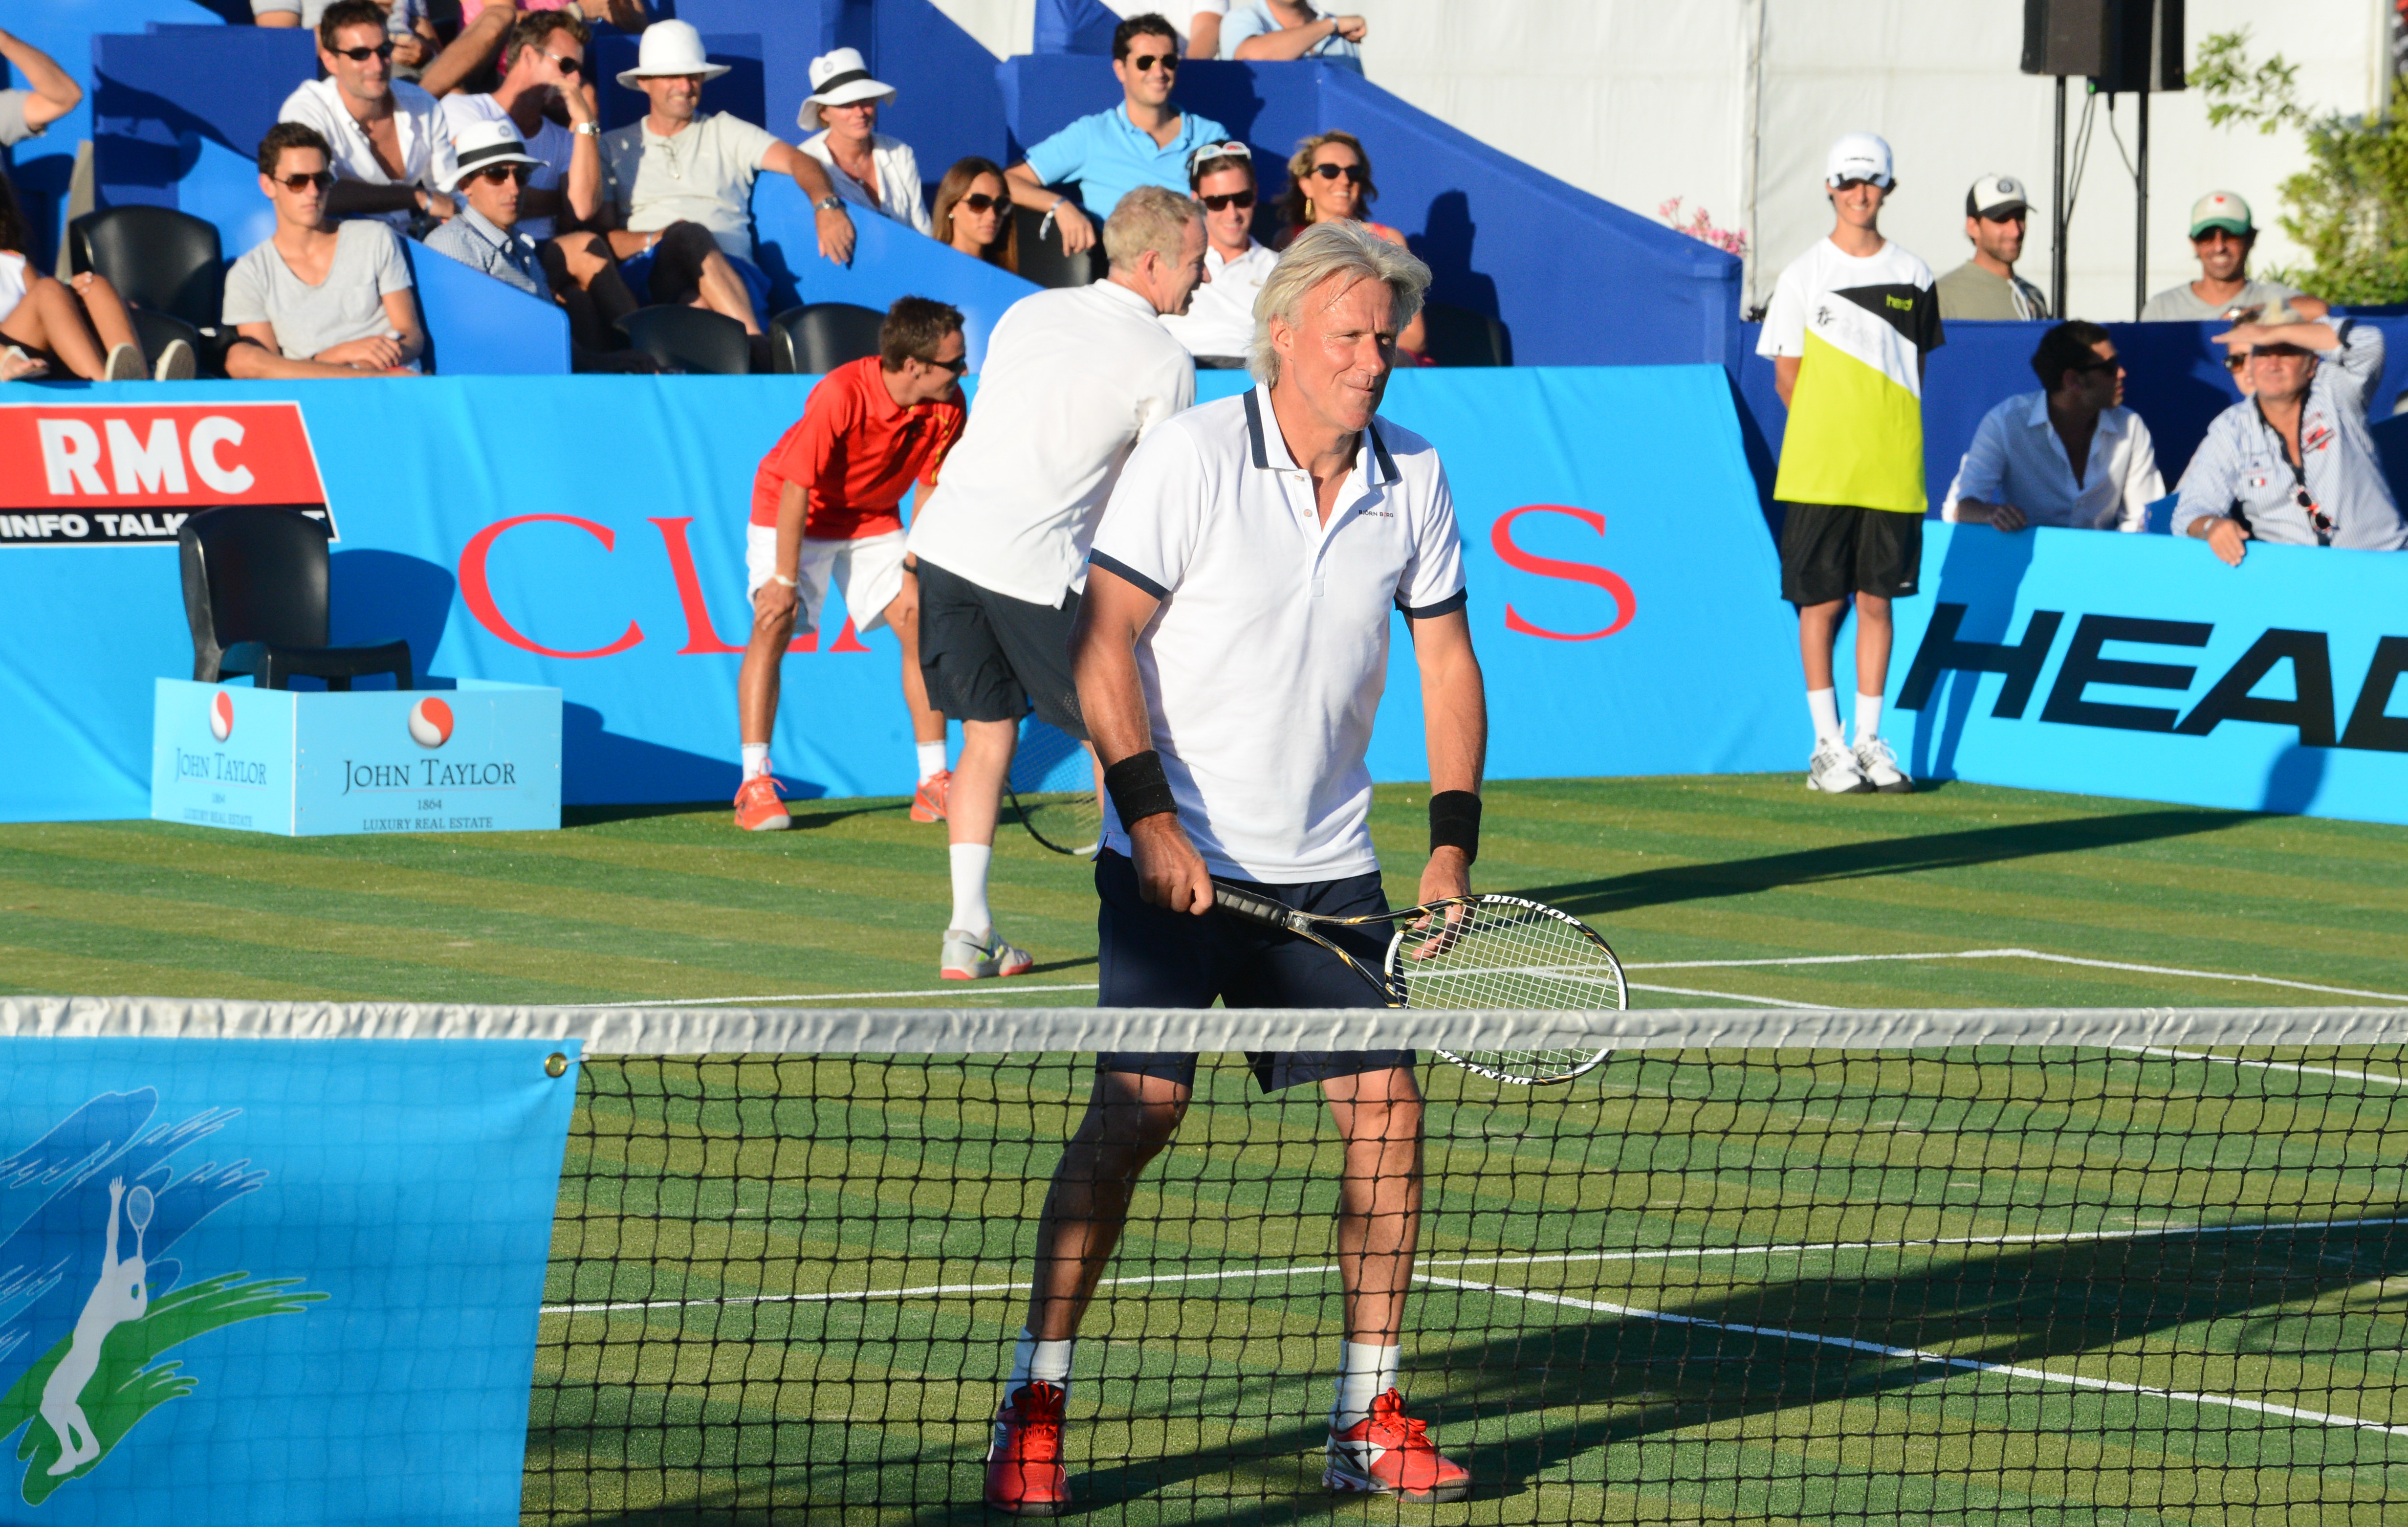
[
  {"x": 1970, "y": 292},
  {"x": 310, "y": 319},
  {"x": 14, "y": 128},
  {"x": 2181, "y": 305}
]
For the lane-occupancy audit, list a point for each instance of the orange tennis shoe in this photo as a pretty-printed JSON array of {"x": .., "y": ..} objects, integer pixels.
[
  {"x": 1024, "y": 1468},
  {"x": 928, "y": 804},
  {"x": 1389, "y": 1453},
  {"x": 758, "y": 807}
]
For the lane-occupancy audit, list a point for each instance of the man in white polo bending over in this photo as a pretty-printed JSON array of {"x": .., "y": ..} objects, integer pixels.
[
  {"x": 1230, "y": 654},
  {"x": 1073, "y": 379}
]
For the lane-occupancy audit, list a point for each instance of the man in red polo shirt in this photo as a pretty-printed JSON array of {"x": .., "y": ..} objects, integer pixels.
[{"x": 826, "y": 506}]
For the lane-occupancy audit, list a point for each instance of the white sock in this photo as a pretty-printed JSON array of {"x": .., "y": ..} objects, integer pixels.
[
  {"x": 969, "y": 889},
  {"x": 1034, "y": 1363},
  {"x": 756, "y": 759},
  {"x": 932, "y": 760},
  {"x": 1364, "y": 1374},
  {"x": 1868, "y": 717},
  {"x": 1825, "y": 706}
]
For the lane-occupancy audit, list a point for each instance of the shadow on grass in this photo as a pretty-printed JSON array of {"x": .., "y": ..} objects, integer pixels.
[{"x": 807, "y": 816}]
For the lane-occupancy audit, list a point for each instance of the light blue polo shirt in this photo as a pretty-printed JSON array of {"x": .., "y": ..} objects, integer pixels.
[{"x": 1108, "y": 156}]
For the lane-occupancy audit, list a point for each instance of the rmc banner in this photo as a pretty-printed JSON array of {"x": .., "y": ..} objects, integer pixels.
[
  {"x": 269, "y": 1280},
  {"x": 587, "y": 534},
  {"x": 2140, "y": 666}
]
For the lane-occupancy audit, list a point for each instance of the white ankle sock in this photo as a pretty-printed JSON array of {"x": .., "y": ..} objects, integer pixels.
[
  {"x": 756, "y": 759},
  {"x": 1038, "y": 1362},
  {"x": 932, "y": 760},
  {"x": 969, "y": 889},
  {"x": 1824, "y": 704},
  {"x": 1868, "y": 717},
  {"x": 1364, "y": 1374}
]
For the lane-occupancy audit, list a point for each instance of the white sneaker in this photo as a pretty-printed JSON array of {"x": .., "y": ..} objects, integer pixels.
[
  {"x": 1879, "y": 765},
  {"x": 126, "y": 363},
  {"x": 1833, "y": 770},
  {"x": 967, "y": 958},
  {"x": 177, "y": 363}
]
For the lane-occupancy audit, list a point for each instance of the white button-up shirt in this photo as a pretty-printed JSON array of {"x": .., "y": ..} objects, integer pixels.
[
  {"x": 898, "y": 194},
  {"x": 1074, "y": 379},
  {"x": 1220, "y": 318},
  {"x": 1264, "y": 666},
  {"x": 2017, "y": 457},
  {"x": 426, "y": 159}
]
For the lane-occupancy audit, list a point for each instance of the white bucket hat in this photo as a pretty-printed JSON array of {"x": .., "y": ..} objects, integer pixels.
[
  {"x": 669, "y": 48},
  {"x": 840, "y": 79}
]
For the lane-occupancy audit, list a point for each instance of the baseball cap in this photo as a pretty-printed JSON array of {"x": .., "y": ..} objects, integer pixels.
[
  {"x": 2220, "y": 209},
  {"x": 1859, "y": 156},
  {"x": 1995, "y": 194}
]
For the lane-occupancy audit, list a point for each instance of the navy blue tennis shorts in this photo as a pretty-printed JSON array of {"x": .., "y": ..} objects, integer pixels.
[{"x": 1151, "y": 957}]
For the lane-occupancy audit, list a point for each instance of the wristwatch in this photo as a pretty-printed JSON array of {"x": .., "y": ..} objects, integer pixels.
[
  {"x": 587, "y": 129},
  {"x": 830, "y": 204}
]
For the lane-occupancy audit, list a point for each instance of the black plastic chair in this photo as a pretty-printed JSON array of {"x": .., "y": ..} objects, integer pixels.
[
  {"x": 1459, "y": 337},
  {"x": 814, "y": 340},
  {"x": 158, "y": 258},
  {"x": 255, "y": 596},
  {"x": 1041, "y": 260},
  {"x": 686, "y": 338}
]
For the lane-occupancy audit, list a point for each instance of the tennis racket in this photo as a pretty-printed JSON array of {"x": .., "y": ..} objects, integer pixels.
[
  {"x": 1481, "y": 953},
  {"x": 1056, "y": 790}
]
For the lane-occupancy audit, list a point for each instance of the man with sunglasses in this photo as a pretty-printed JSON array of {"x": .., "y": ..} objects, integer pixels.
[
  {"x": 2223, "y": 231},
  {"x": 2069, "y": 455},
  {"x": 392, "y": 150},
  {"x": 1145, "y": 140},
  {"x": 1219, "y": 323},
  {"x": 1986, "y": 285},
  {"x": 488, "y": 234},
  {"x": 317, "y": 299},
  {"x": 2293, "y": 462},
  {"x": 543, "y": 65}
]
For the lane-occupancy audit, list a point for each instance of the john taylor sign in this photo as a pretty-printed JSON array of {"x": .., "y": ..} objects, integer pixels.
[{"x": 78, "y": 474}]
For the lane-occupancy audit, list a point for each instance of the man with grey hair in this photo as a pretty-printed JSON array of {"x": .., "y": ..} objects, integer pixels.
[
  {"x": 1074, "y": 378},
  {"x": 1230, "y": 655}
]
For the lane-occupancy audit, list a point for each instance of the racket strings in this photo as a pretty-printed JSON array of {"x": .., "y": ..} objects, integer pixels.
[{"x": 1506, "y": 957}]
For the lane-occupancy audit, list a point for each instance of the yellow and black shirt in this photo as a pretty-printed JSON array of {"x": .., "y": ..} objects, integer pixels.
[{"x": 1861, "y": 328}]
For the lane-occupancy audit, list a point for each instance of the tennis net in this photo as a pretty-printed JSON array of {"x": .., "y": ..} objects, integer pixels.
[{"x": 2069, "y": 1267}]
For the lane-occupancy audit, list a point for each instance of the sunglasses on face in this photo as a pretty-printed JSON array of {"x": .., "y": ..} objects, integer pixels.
[
  {"x": 2235, "y": 362},
  {"x": 566, "y": 64},
  {"x": 497, "y": 174},
  {"x": 1144, "y": 63},
  {"x": 361, "y": 55},
  {"x": 2004, "y": 218},
  {"x": 1353, "y": 173},
  {"x": 298, "y": 183},
  {"x": 956, "y": 367},
  {"x": 979, "y": 201},
  {"x": 1235, "y": 199}
]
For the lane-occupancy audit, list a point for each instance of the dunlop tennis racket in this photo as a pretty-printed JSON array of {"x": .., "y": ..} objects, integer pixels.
[
  {"x": 1055, "y": 789},
  {"x": 1483, "y": 953}
]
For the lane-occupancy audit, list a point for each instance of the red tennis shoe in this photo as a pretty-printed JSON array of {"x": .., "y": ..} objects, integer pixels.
[
  {"x": 928, "y": 804},
  {"x": 758, "y": 807},
  {"x": 1389, "y": 1453},
  {"x": 1023, "y": 1469}
]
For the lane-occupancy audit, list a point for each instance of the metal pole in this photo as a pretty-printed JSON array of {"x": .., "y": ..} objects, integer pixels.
[
  {"x": 2056, "y": 216},
  {"x": 2141, "y": 224}
]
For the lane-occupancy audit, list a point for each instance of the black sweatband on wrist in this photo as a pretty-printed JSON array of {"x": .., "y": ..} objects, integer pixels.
[
  {"x": 1454, "y": 822},
  {"x": 1139, "y": 787}
]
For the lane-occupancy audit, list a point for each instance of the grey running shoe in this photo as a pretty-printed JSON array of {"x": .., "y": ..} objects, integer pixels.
[
  {"x": 1833, "y": 770},
  {"x": 125, "y": 365},
  {"x": 967, "y": 959},
  {"x": 177, "y": 363},
  {"x": 1879, "y": 765}
]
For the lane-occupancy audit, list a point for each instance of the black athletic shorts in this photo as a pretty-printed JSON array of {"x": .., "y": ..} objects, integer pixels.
[
  {"x": 1832, "y": 551},
  {"x": 1151, "y": 957},
  {"x": 987, "y": 657}
]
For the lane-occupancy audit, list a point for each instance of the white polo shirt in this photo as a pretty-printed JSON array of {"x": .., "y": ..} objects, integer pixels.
[
  {"x": 1074, "y": 378},
  {"x": 425, "y": 139},
  {"x": 1220, "y": 317},
  {"x": 1264, "y": 668}
]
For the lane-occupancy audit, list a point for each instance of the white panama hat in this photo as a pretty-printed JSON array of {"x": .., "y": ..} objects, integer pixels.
[
  {"x": 670, "y": 49},
  {"x": 840, "y": 79},
  {"x": 482, "y": 144}
]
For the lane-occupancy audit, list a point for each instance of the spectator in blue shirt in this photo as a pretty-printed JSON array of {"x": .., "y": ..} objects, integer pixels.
[
  {"x": 1145, "y": 140},
  {"x": 1270, "y": 31}
]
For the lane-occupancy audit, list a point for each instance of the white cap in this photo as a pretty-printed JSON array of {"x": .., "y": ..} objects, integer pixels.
[
  {"x": 1859, "y": 156},
  {"x": 669, "y": 48},
  {"x": 1993, "y": 194},
  {"x": 840, "y": 79}
]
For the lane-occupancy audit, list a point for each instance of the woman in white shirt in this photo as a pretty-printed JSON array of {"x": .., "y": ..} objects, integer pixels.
[{"x": 866, "y": 166}]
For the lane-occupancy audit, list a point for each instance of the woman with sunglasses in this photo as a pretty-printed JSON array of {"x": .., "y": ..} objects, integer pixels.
[
  {"x": 973, "y": 213},
  {"x": 1329, "y": 180},
  {"x": 1270, "y": 31},
  {"x": 80, "y": 325},
  {"x": 1218, "y": 327},
  {"x": 866, "y": 166}
]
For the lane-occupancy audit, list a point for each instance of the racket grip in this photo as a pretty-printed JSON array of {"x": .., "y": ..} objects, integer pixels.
[{"x": 1253, "y": 908}]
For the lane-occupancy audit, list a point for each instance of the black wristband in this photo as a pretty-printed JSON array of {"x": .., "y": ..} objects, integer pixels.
[
  {"x": 1140, "y": 788},
  {"x": 1454, "y": 822}
]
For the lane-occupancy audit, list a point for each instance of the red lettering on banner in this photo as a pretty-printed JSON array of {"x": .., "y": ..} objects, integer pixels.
[
  {"x": 700, "y": 638},
  {"x": 1626, "y": 604},
  {"x": 479, "y": 595},
  {"x": 848, "y": 640}
]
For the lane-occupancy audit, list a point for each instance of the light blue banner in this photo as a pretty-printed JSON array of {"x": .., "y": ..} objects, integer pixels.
[
  {"x": 248, "y": 1281},
  {"x": 2141, "y": 666}
]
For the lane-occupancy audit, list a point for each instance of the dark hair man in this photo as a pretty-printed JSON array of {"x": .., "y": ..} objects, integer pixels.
[
  {"x": 1074, "y": 378},
  {"x": 391, "y": 152},
  {"x": 1986, "y": 285},
  {"x": 827, "y": 508},
  {"x": 543, "y": 66},
  {"x": 2293, "y": 462},
  {"x": 1851, "y": 324},
  {"x": 316, "y": 300},
  {"x": 1218, "y": 327},
  {"x": 2069, "y": 455},
  {"x": 2222, "y": 233},
  {"x": 1145, "y": 140},
  {"x": 1229, "y": 668}
]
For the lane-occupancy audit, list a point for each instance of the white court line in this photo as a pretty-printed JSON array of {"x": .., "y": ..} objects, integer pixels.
[
  {"x": 1728, "y": 996},
  {"x": 2264, "y": 1065},
  {"x": 1911, "y": 1354},
  {"x": 2028, "y": 954},
  {"x": 930, "y": 1291},
  {"x": 963, "y": 990}
]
